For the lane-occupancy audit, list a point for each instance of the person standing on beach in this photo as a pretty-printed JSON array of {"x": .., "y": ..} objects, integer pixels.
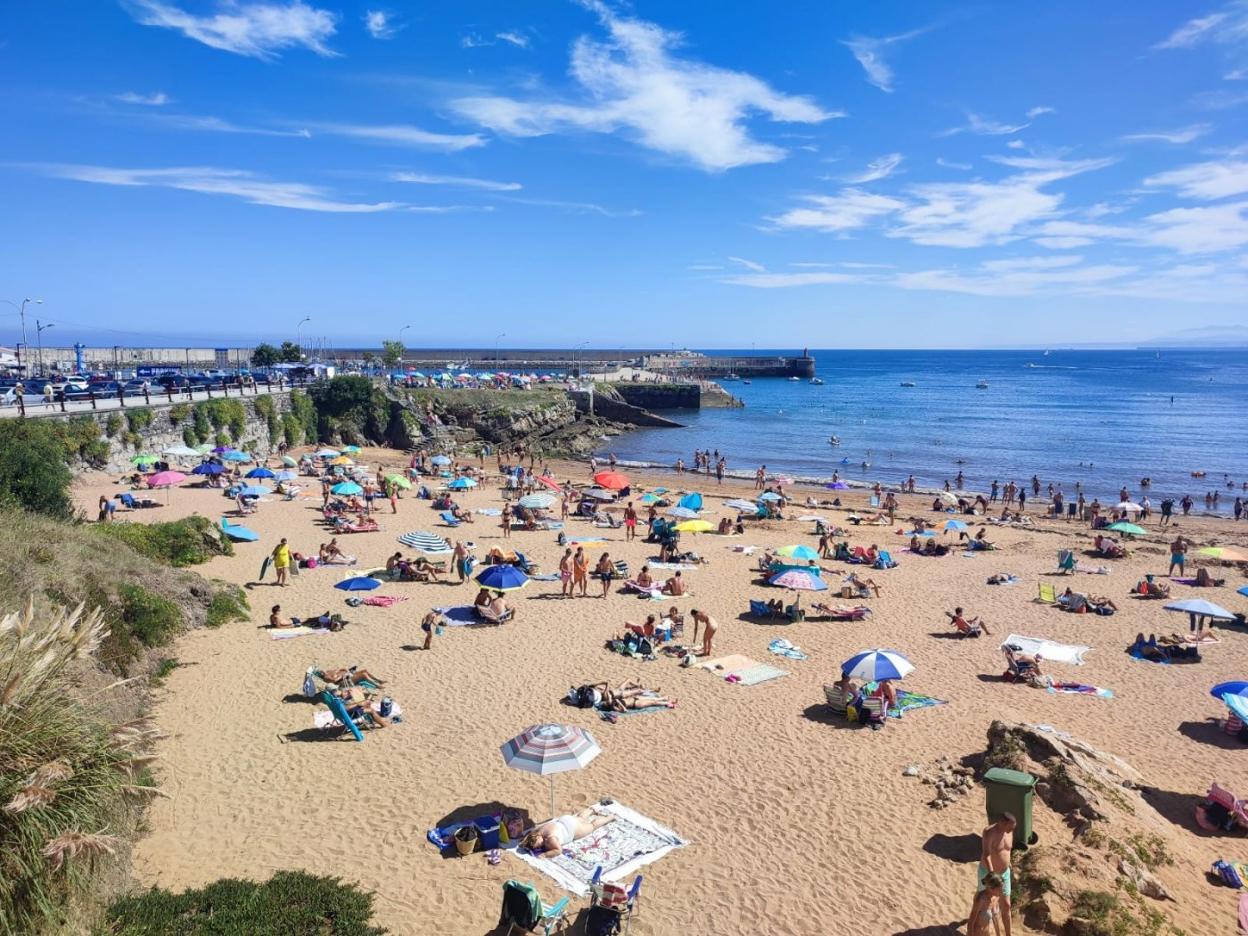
[
  {"x": 630, "y": 522},
  {"x": 506, "y": 521},
  {"x": 1178, "y": 555},
  {"x": 719, "y": 470},
  {"x": 565, "y": 574},
  {"x": 994, "y": 860},
  {"x": 428, "y": 625},
  {"x": 710, "y": 627},
  {"x": 460, "y": 558},
  {"x": 281, "y": 562},
  {"x": 759, "y": 477},
  {"x": 580, "y": 570},
  {"x": 1022, "y": 499}
]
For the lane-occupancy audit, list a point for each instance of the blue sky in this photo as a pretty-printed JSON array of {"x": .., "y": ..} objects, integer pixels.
[{"x": 703, "y": 174}]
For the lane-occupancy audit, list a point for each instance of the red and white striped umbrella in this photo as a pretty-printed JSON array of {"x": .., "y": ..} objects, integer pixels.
[{"x": 550, "y": 749}]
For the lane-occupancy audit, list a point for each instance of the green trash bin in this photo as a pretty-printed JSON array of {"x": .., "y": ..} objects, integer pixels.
[{"x": 1011, "y": 791}]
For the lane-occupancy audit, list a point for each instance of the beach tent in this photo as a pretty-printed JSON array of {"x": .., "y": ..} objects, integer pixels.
[
  {"x": 692, "y": 501},
  {"x": 547, "y": 750}
]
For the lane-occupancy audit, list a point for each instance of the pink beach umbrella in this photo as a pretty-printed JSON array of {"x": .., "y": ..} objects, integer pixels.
[{"x": 166, "y": 480}]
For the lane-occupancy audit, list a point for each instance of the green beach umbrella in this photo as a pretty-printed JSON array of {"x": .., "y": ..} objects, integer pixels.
[
  {"x": 399, "y": 481},
  {"x": 1122, "y": 526},
  {"x": 144, "y": 459}
]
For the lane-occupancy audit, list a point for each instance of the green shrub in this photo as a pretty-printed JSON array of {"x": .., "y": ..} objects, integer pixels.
[
  {"x": 139, "y": 419},
  {"x": 222, "y": 439},
  {"x": 190, "y": 436},
  {"x": 164, "y": 667},
  {"x": 290, "y": 902},
  {"x": 303, "y": 411},
  {"x": 228, "y": 605},
  {"x": 151, "y": 618},
  {"x": 34, "y": 469},
  {"x": 112, "y": 425},
  {"x": 178, "y": 543},
  {"x": 178, "y": 413}
]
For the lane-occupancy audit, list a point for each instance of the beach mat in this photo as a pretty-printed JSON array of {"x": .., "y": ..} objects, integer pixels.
[
  {"x": 457, "y": 615},
  {"x": 727, "y": 664},
  {"x": 288, "y": 633},
  {"x": 906, "y": 701},
  {"x": 753, "y": 675},
  {"x": 620, "y": 849},
  {"x": 1081, "y": 689},
  {"x": 1048, "y": 649}
]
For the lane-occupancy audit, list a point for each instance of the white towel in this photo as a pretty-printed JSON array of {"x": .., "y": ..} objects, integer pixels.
[{"x": 1048, "y": 650}]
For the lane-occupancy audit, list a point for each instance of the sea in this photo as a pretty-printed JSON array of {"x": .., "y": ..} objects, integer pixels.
[{"x": 1105, "y": 419}]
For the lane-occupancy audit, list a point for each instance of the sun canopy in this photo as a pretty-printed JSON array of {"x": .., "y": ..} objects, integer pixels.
[
  {"x": 502, "y": 578},
  {"x": 874, "y": 665},
  {"x": 1201, "y": 608}
]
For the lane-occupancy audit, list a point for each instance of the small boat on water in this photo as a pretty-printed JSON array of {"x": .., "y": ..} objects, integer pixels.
[
  {"x": 795, "y": 379},
  {"x": 834, "y": 440},
  {"x": 908, "y": 383},
  {"x": 982, "y": 385},
  {"x": 747, "y": 381},
  {"x": 730, "y": 376},
  {"x": 816, "y": 381}
]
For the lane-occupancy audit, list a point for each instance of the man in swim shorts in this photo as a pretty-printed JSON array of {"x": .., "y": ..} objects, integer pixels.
[{"x": 994, "y": 859}]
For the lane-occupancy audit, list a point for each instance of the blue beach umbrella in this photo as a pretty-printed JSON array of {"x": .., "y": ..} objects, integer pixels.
[
  {"x": 693, "y": 501},
  {"x": 769, "y": 496},
  {"x": 208, "y": 468},
  {"x": 797, "y": 552},
  {"x": 462, "y": 484},
  {"x": 502, "y": 578},
  {"x": 439, "y": 460},
  {"x": 1243, "y": 591},
  {"x": 346, "y": 489},
  {"x": 358, "y": 583},
  {"x": 236, "y": 456},
  {"x": 259, "y": 472},
  {"x": 1235, "y": 695},
  {"x": 955, "y": 525},
  {"x": 874, "y": 665},
  {"x": 286, "y": 475},
  {"x": 255, "y": 490},
  {"x": 1201, "y": 608}
]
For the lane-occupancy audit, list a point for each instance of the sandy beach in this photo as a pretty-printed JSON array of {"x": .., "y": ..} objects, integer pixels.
[{"x": 796, "y": 823}]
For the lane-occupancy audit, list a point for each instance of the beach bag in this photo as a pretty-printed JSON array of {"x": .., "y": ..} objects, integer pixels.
[
  {"x": 584, "y": 696},
  {"x": 312, "y": 562},
  {"x": 513, "y": 822},
  {"x": 1230, "y": 877},
  {"x": 309, "y": 686},
  {"x": 466, "y": 840}
]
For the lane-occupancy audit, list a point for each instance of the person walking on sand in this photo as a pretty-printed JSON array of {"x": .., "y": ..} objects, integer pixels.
[
  {"x": 630, "y": 522},
  {"x": 994, "y": 859},
  {"x": 580, "y": 571},
  {"x": 281, "y": 562},
  {"x": 709, "y": 627},
  {"x": 565, "y": 574},
  {"x": 429, "y": 625},
  {"x": 759, "y": 476}
]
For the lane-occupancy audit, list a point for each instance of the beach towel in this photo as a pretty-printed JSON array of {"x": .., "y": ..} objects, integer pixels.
[
  {"x": 489, "y": 511},
  {"x": 1048, "y": 649},
  {"x": 1088, "y": 569},
  {"x": 586, "y": 541},
  {"x": 383, "y": 601},
  {"x": 611, "y": 716},
  {"x": 457, "y": 615},
  {"x": 674, "y": 566},
  {"x": 286, "y": 633},
  {"x": 911, "y": 700},
  {"x": 620, "y": 849},
  {"x": 722, "y": 666},
  {"x": 1080, "y": 689},
  {"x": 753, "y": 675},
  {"x": 781, "y": 647}
]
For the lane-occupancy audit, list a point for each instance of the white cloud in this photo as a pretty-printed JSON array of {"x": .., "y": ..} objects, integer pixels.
[
  {"x": 380, "y": 24},
  {"x": 984, "y": 126},
  {"x": 634, "y": 82},
  {"x": 573, "y": 207},
  {"x": 941, "y": 161},
  {"x": 1015, "y": 144},
  {"x": 1039, "y": 111},
  {"x": 704, "y": 266},
  {"x": 870, "y": 55},
  {"x": 403, "y": 135},
  {"x": 785, "y": 280},
  {"x": 1063, "y": 243},
  {"x": 1022, "y": 277},
  {"x": 256, "y": 29},
  {"x": 514, "y": 38},
  {"x": 877, "y": 169},
  {"x": 1227, "y": 26},
  {"x": 1182, "y": 135},
  {"x": 1220, "y": 99},
  {"x": 156, "y": 99},
  {"x": 212, "y": 124},
  {"x": 1205, "y": 229},
  {"x": 846, "y": 211},
  {"x": 1205, "y": 181},
  {"x": 749, "y": 264},
  {"x": 488, "y": 185},
  {"x": 206, "y": 180}
]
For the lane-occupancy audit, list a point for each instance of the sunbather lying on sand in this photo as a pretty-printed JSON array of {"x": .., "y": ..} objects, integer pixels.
[
  {"x": 864, "y": 587},
  {"x": 549, "y": 838},
  {"x": 625, "y": 697},
  {"x": 350, "y": 676}
]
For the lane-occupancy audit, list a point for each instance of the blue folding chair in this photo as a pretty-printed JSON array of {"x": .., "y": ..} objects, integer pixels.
[
  {"x": 449, "y": 518},
  {"x": 611, "y": 908},
  {"x": 524, "y": 912}
]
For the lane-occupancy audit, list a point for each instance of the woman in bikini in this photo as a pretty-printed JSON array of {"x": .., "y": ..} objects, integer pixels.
[{"x": 550, "y": 838}]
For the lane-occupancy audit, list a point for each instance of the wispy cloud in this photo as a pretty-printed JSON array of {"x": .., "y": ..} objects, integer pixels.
[
  {"x": 1201, "y": 230},
  {"x": 949, "y": 164},
  {"x": 788, "y": 280},
  {"x": 1182, "y": 135},
  {"x": 573, "y": 207},
  {"x": 869, "y": 52},
  {"x": 986, "y": 126},
  {"x": 877, "y": 169},
  {"x": 1206, "y": 181},
  {"x": 1227, "y": 27},
  {"x": 1016, "y": 277},
  {"x": 847, "y": 211},
  {"x": 489, "y": 185},
  {"x": 512, "y": 37},
  {"x": 749, "y": 264},
  {"x": 1040, "y": 111},
  {"x": 635, "y": 82},
  {"x": 207, "y": 180},
  {"x": 380, "y": 24},
  {"x": 402, "y": 135},
  {"x": 257, "y": 29},
  {"x": 155, "y": 99},
  {"x": 703, "y": 267},
  {"x": 210, "y": 124}
]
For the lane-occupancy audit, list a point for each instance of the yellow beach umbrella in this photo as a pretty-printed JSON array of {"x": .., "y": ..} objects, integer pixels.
[
  {"x": 341, "y": 460},
  {"x": 695, "y": 526}
]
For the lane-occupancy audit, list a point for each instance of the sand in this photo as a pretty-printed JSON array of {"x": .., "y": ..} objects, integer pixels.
[{"x": 794, "y": 820}]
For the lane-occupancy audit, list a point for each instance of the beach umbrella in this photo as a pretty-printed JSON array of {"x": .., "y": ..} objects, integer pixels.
[
  {"x": 1129, "y": 528},
  {"x": 536, "y": 501},
  {"x": 203, "y": 448},
  {"x": 236, "y": 456},
  {"x": 502, "y": 578},
  {"x": 351, "y": 449},
  {"x": 692, "y": 501},
  {"x": 219, "y": 449},
  {"x": 947, "y": 498},
  {"x": 598, "y": 494},
  {"x": 398, "y": 481},
  {"x": 695, "y": 526},
  {"x": 286, "y": 475},
  {"x": 551, "y": 483},
  {"x": 874, "y": 665},
  {"x": 259, "y": 472},
  {"x": 327, "y": 453},
  {"x": 341, "y": 460},
  {"x": 208, "y": 468},
  {"x": 425, "y": 542},
  {"x": 769, "y": 496},
  {"x": 955, "y": 525},
  {"x": 1235, "y": 695},
  {"x": 547, "y": 750},
  {"x": 652, "y": 498},
  {"x": 439, "y": 460},
  {"x": 797, "y": 552},
  {"x": 346, "y": 489},
  {"x": 682, "y": 513},
  {"x": 739, "y": 503},
  {"x": 1201, "y": 608},
  {"x": 611, "y": 480},
  {"x": 1243, "y": 591},
  {"x": 1224, "y": 553},
  {"x": 238, "y": 533},
  {"x": 798, "y": 580},
  {"x": 358, "y": 583},
  {"x": 255, "y": 490},
  {"x": 180, "y": 451},
  {"x": 144, "y": 459},
  {"x": 838, "y": 486},
  {"x": 462, "y": 484},
  {"x": 1128, "y": 506},
  {"x": 166, "y": 479},
  {"x": 289, "y": 462}
]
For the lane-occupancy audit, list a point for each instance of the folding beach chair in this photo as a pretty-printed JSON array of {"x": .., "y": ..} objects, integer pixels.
[
  {"x": 1048, "y": 593},
  {"x": 874, "y": 710},
  {"x": 1066, "y": 560},
  {"x": 885, "y": 560},
  {"x": 449, "y": 518},
  {"x": 759, "y": 609},
  {"x": 611, "y": 906},
  {"x": 836, "y": 700},
  {"x": 339, "y": 709},
  {"x": 524, "y": 912}
]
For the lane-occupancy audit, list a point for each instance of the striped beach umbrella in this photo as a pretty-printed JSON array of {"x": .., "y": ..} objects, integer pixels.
[
  {"x": 874, "y": 665},
  {"x": 425, "y": 542},
  {"x": 547, "y": 750},
  {"x": 536, "y": 501},
  {"x": 682, "y": 513}
]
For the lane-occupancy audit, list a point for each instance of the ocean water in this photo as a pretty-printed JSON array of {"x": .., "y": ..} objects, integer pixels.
[{"x": 1102, "y": 418}]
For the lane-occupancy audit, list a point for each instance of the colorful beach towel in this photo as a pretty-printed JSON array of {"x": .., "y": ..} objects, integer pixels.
[
  {"x": 1080, "y": 689},
  {"x": 1048, "y": 649},
  {"x": 782, "y": 647},
  {"x": 912, "y": 700},
  {"x": 384, "y": 601},
  {"x": 620, "y": 849}
]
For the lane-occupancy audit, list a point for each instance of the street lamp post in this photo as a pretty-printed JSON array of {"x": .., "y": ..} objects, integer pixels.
[
  {"x": 499, "y": 338},
  {"x": 299, "y": 333},
  {"x": 401, "y": 331},
  {"x": 40, "y": 328},
  {"x": 22, "y": 311}
]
